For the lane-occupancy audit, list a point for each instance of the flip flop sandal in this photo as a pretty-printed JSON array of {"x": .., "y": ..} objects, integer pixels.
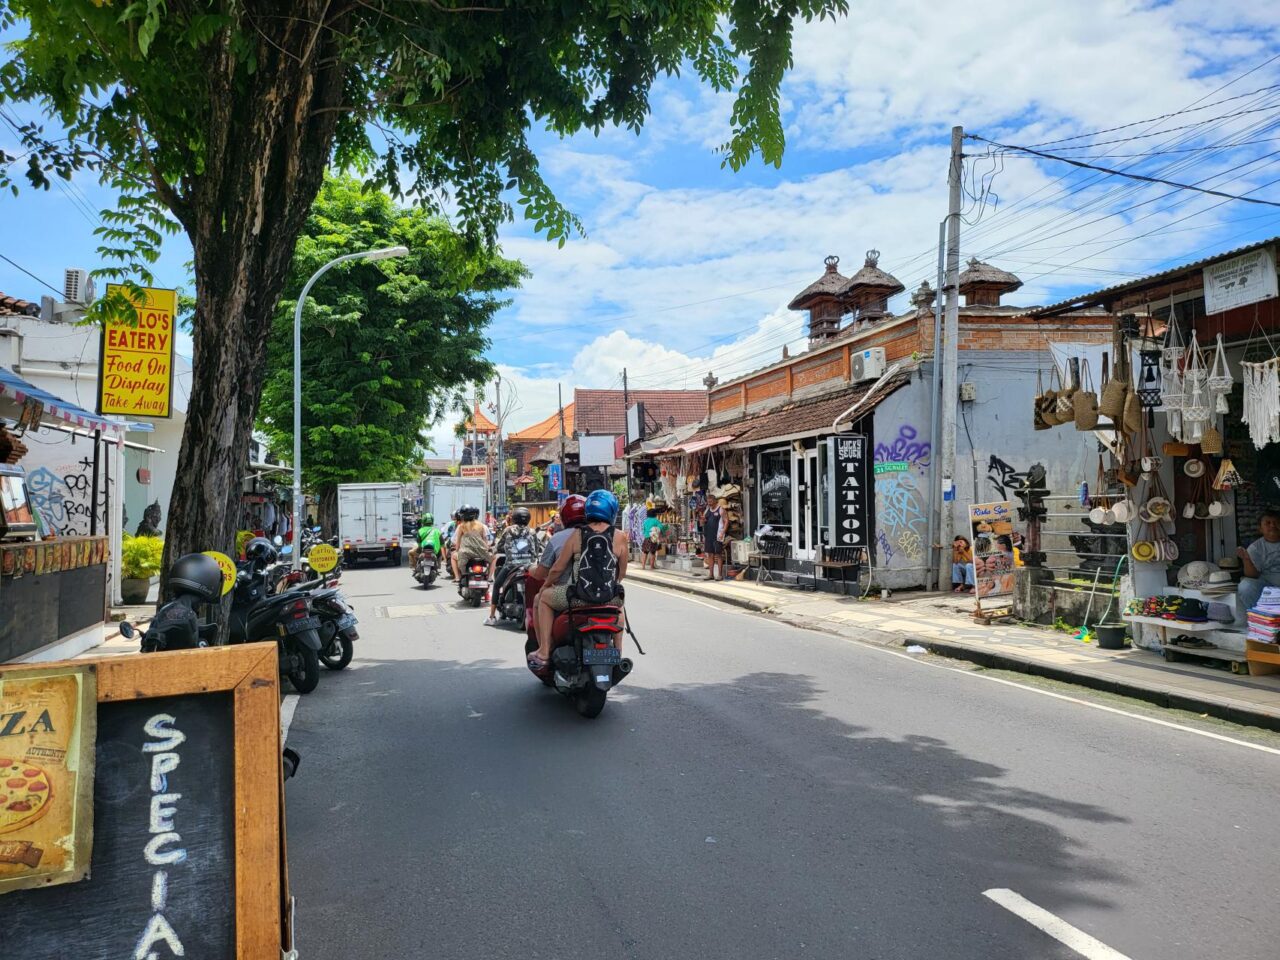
[{"x": 537, "y": 665}]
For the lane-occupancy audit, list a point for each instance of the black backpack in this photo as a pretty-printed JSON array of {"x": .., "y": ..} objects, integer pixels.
[{"x": 595, "y": 578}]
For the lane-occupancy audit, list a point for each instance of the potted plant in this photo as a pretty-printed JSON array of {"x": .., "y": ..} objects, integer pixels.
[{"x": 139, "y": 562}]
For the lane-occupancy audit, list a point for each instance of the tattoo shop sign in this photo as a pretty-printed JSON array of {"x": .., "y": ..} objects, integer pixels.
[
  {"x": 849, "y": 462},
  {"x": 135, "y": 366},
  {"x": 47, "y": 732}
]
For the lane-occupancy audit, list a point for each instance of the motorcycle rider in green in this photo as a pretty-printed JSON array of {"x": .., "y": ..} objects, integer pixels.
[{"x": 428, "y": 536}]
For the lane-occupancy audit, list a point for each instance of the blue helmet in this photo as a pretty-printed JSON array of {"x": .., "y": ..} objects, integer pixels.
[{"x": 602, "y": 506}]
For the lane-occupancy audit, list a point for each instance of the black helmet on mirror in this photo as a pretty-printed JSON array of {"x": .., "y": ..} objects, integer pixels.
[
  {"x": 198, "y": 576},
  {"x": 521, "y": 516},
  {"x": 468, "y": 512},
  {"x": 260, "y": 550}
]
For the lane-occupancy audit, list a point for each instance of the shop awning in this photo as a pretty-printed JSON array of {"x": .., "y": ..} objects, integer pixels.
[
  {"x": 693, "y": 446},
  {"x": 13, "y": 386}
]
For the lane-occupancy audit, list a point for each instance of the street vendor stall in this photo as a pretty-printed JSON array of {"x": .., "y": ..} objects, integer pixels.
[{"x": 54, "y": 585}]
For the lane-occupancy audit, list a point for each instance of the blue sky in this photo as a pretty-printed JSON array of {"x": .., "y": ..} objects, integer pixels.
[{"x": 687, "y": 267}]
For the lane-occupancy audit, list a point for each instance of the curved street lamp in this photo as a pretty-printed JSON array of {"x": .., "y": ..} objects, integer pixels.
[{"x": 383, "y": 254}]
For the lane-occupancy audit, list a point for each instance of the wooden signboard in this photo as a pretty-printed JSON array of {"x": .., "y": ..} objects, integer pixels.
[{"x": 187, "y": 857}]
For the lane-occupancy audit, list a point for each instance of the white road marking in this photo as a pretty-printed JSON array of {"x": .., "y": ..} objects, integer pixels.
[
  {"x": 918, "y": 661},
  {"x": 1059, "y": 929},
  {"x": 287, "y": 706},
  {"x": 722, "y": 606}
]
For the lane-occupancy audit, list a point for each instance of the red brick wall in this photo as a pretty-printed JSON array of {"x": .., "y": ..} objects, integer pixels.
[
  {"x": 827, "y": 367},
  {"x": 771, "y": 385},
  {"x": 729, "y": 400}
]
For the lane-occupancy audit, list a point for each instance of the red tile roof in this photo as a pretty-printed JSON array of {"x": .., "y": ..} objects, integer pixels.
[
  {"x": 603, "y": 411},
  {"x": 799, "y": 417},
  {"x": 545, "y": 429},
  {"x": 14, "y": 305}
]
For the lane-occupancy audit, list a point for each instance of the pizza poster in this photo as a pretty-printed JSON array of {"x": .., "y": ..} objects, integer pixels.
[
  {"x": 48, "y": 725},
  {"x": 991, "y": 525}
]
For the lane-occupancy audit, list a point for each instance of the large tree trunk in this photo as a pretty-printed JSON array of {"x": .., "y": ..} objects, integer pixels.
[{"x": 269, "y": 139}]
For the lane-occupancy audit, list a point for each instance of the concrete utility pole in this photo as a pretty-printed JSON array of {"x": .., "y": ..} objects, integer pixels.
[
  {"x": 935, "y": 496},
  {"x": 950, "y": 360},
  {"x": 626, "y": 434},
  {"x": 564, "y": 484},
  {"x": 501, "y": 497}
]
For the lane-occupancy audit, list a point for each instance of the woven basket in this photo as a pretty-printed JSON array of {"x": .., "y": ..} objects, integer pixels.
[
  {"x": 1085, "y": 402},
  {"x": 1114, "y": 388},
  {"x": 1211, "y": 441},
  {"x": 1132, "y": 419}
]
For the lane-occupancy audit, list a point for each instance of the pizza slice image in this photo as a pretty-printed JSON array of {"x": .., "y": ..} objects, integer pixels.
[{"x": 25, "y": 792}]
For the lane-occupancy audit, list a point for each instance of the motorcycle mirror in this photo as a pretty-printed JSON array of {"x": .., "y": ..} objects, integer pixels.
[
  {"x": 278, "y": 541},
  {"x": 126, "y": 629},
  {"x": 315, "y": 529}
]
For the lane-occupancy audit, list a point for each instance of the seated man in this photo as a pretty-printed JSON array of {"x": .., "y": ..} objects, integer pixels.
[
  {"x": 1261, "y": 561},
  {"x": 600, "y": 509}
]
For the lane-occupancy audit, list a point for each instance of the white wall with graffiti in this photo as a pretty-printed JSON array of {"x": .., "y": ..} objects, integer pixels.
[
  {"x": 59, "y": 470},
  {"x": 995, "y": 446}
]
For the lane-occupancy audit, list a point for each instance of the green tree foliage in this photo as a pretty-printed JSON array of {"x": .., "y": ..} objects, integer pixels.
[
  {"x": 386, "y": 346},
  {"x": 222, "y": 115}
]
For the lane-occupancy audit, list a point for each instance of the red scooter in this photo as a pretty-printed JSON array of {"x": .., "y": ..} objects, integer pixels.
[{"x": 585, "y": 661}]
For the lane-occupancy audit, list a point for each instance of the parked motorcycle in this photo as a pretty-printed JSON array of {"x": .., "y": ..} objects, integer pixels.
[
  {"x": 194, "y": 579},
  {"x": 426, "y": 567},
  {"x": 337, "y": 617},
  {"x": 286, "y": 618},
  {"x": 585, "y": 664},
  {"x": 474, "y": 582}
]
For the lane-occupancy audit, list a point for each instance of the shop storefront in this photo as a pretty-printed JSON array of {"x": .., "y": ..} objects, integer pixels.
[
  {"x": 1196, "y": 463},
  {"x": 54, "y": 586}
]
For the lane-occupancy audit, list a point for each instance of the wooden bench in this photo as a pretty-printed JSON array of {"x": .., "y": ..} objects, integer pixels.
[
  {"x": 764, "y": 556},
  {"x": 843, "y": 559}
]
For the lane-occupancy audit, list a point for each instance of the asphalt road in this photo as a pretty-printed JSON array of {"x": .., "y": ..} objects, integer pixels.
[{"x": 752, "y": 791}]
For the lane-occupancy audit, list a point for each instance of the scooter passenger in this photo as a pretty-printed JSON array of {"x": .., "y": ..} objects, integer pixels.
[
  {"x": 469, "y": 540},
  {"x": 600, "y": 509},
  {"x": 517, "y": 527},
  {"x": 428, "y": 536}
]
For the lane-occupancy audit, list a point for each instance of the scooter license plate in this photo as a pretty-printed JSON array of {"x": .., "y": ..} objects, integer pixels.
[
  {"x": 346, "y": 622},
  {"x": 607, "y": 656},
  {"x": 306, "y": 623},
  {"x": 479, "y": 584}
]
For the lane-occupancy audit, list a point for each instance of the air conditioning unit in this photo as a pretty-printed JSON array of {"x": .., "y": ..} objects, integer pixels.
[
  {"x": 867, "y": 365},
  {"x": 77, "y": 287}
]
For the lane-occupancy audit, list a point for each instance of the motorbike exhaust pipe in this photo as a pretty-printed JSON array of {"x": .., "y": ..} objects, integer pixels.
[{"x": 621, "y": 670}]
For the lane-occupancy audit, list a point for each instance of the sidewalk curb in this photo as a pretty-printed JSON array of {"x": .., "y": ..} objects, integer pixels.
[
  {"x": 698, "y": 590},
  {"x": 1150, "y": 694},
  {"x": 1153, "y": 694}
]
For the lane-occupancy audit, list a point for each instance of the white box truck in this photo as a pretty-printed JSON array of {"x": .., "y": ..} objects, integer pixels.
[
  {"x": 370, "y": 521},
  {"x": 443, "y": 495}
]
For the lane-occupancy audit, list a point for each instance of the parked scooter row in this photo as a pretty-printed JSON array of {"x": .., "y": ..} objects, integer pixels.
[{"x": 310, "y": 621}]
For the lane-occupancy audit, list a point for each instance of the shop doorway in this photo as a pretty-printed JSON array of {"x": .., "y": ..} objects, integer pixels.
[{"x": 805, "y": 505}]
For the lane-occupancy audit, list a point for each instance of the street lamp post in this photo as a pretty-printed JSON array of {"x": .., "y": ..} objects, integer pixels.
[{"x": 297, "y": 383}]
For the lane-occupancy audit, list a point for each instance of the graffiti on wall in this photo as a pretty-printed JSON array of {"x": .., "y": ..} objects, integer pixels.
[
  {"x": 1003, "y": 477},
  {"x": 901, "y": 513},
  {"x": 906, "y": 448},
  {"x": 61, "y": 495}
]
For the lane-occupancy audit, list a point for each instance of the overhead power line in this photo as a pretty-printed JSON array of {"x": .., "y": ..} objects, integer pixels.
[{"x": 1121, "y": 173}]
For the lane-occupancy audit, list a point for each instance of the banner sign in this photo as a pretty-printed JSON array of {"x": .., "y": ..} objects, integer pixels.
[
  {"x": 991, "y": 525},
  {"x": 474, "y": 471},
  {"x": 48, "y": 720},
  {"x": 851, "y": 491},
  {"x": 135, "y": 364},
  {"x": 1240, "y": 281},
  {"x": 555, "y": 476}
]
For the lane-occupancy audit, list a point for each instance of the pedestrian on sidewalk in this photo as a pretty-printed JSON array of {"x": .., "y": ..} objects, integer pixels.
[
  {"x": 651, "y": 543},
  {"x": 1261, "y": 561},
  {"x": 961, "y": 566},
  {"x": 713, "y": 529}
]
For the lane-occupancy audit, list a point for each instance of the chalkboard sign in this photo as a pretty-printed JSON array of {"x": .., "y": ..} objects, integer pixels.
[
  {"x": 187, "y": 852},
  {"x": 850, "y": 491}
]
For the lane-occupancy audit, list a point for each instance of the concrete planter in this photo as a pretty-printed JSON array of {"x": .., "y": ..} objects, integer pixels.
[{"x": 133, "y": 590}]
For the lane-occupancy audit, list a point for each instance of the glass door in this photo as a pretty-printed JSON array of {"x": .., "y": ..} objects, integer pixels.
[{"x": 806, "y": 508}]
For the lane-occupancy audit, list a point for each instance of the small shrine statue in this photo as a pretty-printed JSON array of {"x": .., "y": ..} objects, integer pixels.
[{"x": 150, "y": 525}]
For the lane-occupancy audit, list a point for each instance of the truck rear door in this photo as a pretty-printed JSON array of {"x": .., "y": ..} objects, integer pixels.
[
  {"x": 385, "y": 515},
  {"x": 351, "y": 513}
]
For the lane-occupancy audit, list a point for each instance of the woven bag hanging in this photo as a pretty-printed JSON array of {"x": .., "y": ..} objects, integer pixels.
[
  {"x": 1066, "y": 408},
  {"x": 1211, "y": 440},
  {"x": 1050, "y": 399},
  {"x": 1038, "y": 405},
  {"x": 1085, "y": 401},
  {"x": 1114, "y": 388}
]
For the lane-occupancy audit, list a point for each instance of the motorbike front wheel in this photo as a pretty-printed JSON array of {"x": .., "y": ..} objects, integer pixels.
[
  {"x": 306, "y": 677},
  {"x": 590, "y": 702},
  {"x": 339, "y": 652}
]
